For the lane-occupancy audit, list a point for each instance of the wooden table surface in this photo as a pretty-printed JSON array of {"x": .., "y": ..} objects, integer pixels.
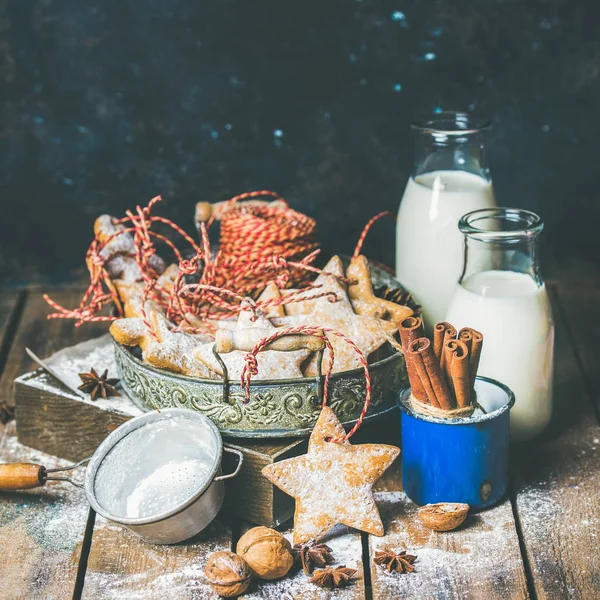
[{"x": 541, "y": 542}]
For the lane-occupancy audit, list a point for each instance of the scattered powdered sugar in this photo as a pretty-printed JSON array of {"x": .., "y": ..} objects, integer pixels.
[
  {"x": 482, "y": 554},
  {"x": 97, "y": 353},
  {"x": 53, "y": 517}
]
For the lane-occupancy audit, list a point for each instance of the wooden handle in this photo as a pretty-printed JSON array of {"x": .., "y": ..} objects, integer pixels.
[
  {"x": 229, "y": 340},
  {"x": 21, "y": 476},
  {"x": 205, "y": 210}
]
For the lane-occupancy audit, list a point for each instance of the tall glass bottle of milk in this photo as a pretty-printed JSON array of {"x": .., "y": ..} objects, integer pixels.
[
  {"x": 450, "y": 178},
  {"x": 502, "y": 294}
]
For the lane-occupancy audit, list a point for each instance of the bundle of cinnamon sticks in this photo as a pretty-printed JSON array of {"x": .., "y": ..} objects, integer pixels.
[{"x": 441, "y": 374}]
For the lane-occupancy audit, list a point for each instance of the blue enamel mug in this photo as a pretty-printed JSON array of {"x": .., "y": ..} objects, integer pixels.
[{"x": 458, "y": 460}]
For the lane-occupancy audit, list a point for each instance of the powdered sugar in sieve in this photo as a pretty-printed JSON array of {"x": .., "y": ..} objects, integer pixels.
[{"x": 155, "y": 468}]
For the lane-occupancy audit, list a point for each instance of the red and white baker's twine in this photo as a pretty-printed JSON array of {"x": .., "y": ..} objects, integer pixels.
[
  {"x": 251, "y": 366},
  {"x": 258, "y": 245}
]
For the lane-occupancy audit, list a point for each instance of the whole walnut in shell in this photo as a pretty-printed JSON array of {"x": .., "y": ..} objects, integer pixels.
[
  {"x": 267, "y": 551},
  {"x": 443, "y": 516},
  {"x": 228, "y": 574}
]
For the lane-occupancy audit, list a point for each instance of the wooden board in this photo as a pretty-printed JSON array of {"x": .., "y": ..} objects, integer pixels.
[
  {"x": 41, "y": 531},
  {"x": 43, "y": 336},
  {"x": 557, "y": 487},
  {"x": 121, "y": 565},
  {"x": 581, "y": 306},
  {"x": 52, "y": 419},
  {"x": 250, "y": 495},
  {"x": 10, "y": 303},
  {"x": 481, "y": 559}
]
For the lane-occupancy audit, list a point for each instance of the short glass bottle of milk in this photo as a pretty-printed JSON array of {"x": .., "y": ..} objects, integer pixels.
[
  {"x": 450, "y": 178},
  {"x": 501, "y": 294}
]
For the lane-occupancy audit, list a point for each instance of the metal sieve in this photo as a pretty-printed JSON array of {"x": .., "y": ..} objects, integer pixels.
[{"x": 158, "y": 474}]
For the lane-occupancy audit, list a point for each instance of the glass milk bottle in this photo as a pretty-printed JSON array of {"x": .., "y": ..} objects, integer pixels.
[
  {"x": 501, "y": 294},
  {"x": 450, "y": 178}
]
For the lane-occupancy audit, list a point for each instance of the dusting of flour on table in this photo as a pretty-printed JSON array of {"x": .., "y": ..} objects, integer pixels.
[{"x": 97, "y": 353}]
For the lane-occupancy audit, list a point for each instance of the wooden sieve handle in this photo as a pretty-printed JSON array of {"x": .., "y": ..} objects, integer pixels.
[
  {"x": 21, "y": 476},
  {"x": 229, "y": 340}
]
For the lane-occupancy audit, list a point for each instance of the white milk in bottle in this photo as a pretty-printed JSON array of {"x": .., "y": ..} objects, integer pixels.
[
  {"x": 513, "y": 314},
  {"x": 450, "y": 178},
  {"x": 502, "y": 295},
  {"x": 429, "y": 246}
]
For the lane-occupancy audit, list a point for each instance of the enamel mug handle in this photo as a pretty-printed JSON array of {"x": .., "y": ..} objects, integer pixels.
[
  {"x": 21, "y": 476},
  {"x": 237, "y": 469}
]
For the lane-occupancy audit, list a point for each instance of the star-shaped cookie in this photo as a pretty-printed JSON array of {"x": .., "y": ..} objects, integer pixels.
[
  {"x": 170, "y": 350},
  {"x": 271, "y": 363},
  {"x": 326, "y": 282},
  {"x": 367, "y": 332},
  {"x": 333, "y": 482},
  {"x": 364, "y": 301}
]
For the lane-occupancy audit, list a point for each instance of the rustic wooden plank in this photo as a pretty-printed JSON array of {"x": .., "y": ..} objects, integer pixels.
[
  {"x": 558, "y": 482},
  {"x": 10, "y": 301},
  {"x": 481, "y": 559},
  {"x": 581, "y": 305},
  {"x": 347, "y": 550},
  {"x": 53, "y": 419},
  {"x": 41, "y": 531},
  {"x": 121, "y": 565},
  {"x": 43, "y": 336},
  {"x": 579, "y": 269}
]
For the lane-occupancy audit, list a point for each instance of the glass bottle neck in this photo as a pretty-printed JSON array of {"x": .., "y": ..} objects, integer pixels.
[
  {"x": 450, "y": 142},
  {"x": 501, "y": 240},
  {"x": 518, "y": 257}
]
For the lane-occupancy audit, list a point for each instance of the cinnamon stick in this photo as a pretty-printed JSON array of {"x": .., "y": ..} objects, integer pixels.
[
  {"x": 441, "y": 332},
  {"x": 457, "y": 368},
  {"x": 475, "y": 351},
  {"x": 410, "y": 329},
  {"x": 430, "y": 374}
]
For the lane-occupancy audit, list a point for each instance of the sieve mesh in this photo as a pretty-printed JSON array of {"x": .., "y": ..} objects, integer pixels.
[{"x": 155, "y": 468}]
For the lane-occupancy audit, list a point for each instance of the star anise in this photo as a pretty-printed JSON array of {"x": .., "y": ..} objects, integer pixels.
[
  {"x": 7, "y": 413},
  {"x": 396, "y": 296},
  {"x": 392, "y": 561},
  {"x": 331, "y": 577},
  {"x": 98, "y": 385},
  {"x": 311, "y": 555}
]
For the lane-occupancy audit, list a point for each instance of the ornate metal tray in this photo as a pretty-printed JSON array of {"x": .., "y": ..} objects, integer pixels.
[{"x": 277, "y": 408}]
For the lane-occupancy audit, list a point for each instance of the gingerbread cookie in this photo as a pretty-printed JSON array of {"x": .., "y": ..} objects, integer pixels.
[
  {"x": 272, "y": 364},
  {"x": 364, "y": 300},
  {"x": 119, "y": 251},
  {"x": 333, "y": 482},
  {"x": 131, "y": 293},
  {"x": 172, "y": 350},
  {"x": 272, "y": 292},
  {"x": 326, "y": 282}
]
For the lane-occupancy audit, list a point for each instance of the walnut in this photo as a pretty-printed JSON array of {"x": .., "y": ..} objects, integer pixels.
[
  {"x": 267, "y": 551},
  {"x": 228, "y": 574},
  {"x": 443, "y": 516}
]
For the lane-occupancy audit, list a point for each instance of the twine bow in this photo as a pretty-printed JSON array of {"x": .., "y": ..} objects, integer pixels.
[{"x": 251, "y": 367}]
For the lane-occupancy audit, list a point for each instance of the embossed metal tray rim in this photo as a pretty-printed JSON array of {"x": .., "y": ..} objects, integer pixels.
[
  {"x": 391, "y": 364},
  {"x": 262, "y": 382}
]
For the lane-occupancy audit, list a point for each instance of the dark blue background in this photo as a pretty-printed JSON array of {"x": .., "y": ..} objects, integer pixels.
[{"x": 104, "y": 105}]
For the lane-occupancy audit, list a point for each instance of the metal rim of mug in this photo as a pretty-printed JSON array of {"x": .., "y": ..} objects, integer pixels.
[
  {"x": 527, "y": 224},
  {"x": 124, "y": 430},
  {"x": 451, "y": 123},
  {"x": 404, "y": 394}
]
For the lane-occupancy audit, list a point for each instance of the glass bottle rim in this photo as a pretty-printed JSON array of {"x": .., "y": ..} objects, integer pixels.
[
  {"x": 450, "y": 122},
  {"x": 499, "y": 224}
]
